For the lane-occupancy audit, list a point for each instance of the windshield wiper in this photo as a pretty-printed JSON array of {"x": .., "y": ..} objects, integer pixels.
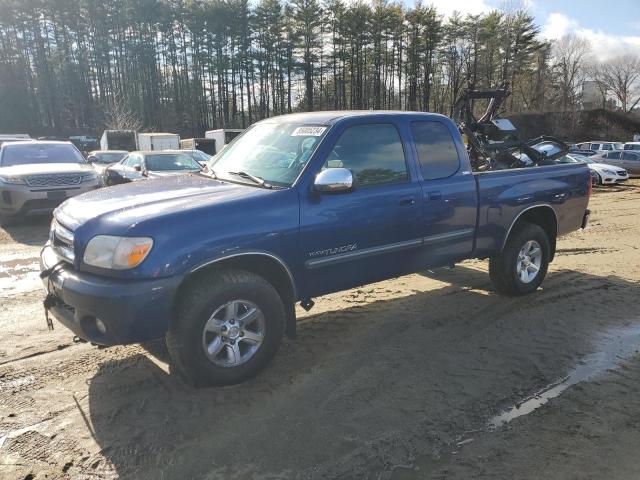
[{"x": 255, "y": 179}]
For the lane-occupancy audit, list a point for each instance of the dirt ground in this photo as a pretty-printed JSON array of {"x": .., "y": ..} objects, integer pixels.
[{"x": 431, "y": 375}]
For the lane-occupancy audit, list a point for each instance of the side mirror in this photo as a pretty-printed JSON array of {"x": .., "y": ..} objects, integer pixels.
[
  {"x": 137, "y": 168},
  {"x": 333, "y": 180}
]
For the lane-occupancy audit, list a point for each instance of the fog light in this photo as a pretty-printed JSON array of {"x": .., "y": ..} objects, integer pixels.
[{"x": 102, "y": 328}]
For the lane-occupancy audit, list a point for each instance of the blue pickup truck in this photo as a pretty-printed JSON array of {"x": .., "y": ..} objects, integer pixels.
[{"x": 297, "y": 207}]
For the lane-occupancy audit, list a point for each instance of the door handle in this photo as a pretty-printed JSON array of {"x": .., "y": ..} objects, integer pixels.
[
  {"x": 407, "y": 201},
  {"x": 435, "y": 195}
]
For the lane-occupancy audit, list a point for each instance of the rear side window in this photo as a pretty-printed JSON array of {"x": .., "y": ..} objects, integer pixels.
[
  {"x": 630, "y": 156},
  {"x": 372, "y": 152},
  {"x": 437, "y": 152}
]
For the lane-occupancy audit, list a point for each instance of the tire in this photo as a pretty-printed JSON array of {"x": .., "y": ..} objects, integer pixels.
[
  {"x": 506, "y": 268},
  {"x": 598, "y": 180},
  {"x": 207, "y": 317}
]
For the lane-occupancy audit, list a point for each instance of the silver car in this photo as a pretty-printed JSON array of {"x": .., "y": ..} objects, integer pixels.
[{"x": 36, "y": 176}]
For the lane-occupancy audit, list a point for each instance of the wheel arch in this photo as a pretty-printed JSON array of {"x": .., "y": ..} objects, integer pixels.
[
  {"x": 269, "y": 266},
  {"x": 542, "y": 215}
]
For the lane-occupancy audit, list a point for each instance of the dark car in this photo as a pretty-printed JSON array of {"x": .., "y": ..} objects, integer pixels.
[
  {"x": 199, "y": 156},
  {"x": 627, "y": 159},
  {"x": 143, "y": 165}
]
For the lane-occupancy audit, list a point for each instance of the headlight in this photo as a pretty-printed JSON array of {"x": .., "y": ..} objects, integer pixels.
[
  {"x": 609, "y": 172},
  {"x": 117, "y": 253},
  {"x": 88, "y": 177},
  {"x": 11, "y": 179}
]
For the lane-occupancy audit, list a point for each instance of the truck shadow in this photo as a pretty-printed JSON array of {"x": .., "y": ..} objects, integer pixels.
[{"x": 362, "y": 387}]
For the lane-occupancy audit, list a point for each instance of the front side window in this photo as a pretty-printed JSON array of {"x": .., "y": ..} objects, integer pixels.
[
  {"x": 372, "y": 152},
  {"x": 436, "y": 149},
  {"x": 613, "y": 155},
  {"x": 24, "y": 154},
  {"x": 274, "y": 152}
]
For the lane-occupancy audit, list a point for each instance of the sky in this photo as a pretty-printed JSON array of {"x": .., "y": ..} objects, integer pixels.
[{"x": 612, "y": 26}]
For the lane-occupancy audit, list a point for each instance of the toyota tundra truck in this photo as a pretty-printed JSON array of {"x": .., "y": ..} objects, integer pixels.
[{"x": 298, "y": 206}]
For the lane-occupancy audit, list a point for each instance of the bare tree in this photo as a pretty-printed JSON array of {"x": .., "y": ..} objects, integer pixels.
[
  {"x": 621, "y": 77},
  {"x": 568, "y": 64},
  {"x": 120, "y": 115}
]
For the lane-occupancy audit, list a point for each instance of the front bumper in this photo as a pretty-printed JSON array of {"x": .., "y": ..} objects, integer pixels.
[
  {"x": 23, "y": 199},
  {"x": 131, "y": 310}
]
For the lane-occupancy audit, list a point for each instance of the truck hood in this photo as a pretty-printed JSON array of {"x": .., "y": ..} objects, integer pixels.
[
  {"x": 128, "y": 204},
  {"x": 45, "y": 168}
]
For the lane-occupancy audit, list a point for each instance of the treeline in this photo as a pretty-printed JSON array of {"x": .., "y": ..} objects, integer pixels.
[{"x": 187, "y": 66}]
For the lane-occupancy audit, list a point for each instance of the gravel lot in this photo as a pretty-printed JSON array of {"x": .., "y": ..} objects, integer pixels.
[{"x": 408, "y": 378}]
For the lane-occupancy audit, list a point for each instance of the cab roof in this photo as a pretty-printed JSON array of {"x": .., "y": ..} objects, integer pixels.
[{"x": 332, "y": 117}]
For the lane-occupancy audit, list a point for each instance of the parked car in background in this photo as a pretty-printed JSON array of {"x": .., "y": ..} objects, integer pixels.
[
  {"x": 300, "y": 206},
  {"x": 602, "y": 173},
  {"x": 200, "y": 157},
  {"x": 143, "y": 165},
  {"x": 36, "y": 176},
  {"x": 576, "y": 149},
  {"x": 101, "y": 159},
  {"x": 599, "y": 146},
  {"x": 632, "y": 146},
  {"x": 629, "y": 160}
]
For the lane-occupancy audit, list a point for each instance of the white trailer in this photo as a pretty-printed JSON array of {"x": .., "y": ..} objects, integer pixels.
[
  {"x": 118, "y": 140},
  {"x": 222, "y": 136},
  {"x": 158, "y": 141}
]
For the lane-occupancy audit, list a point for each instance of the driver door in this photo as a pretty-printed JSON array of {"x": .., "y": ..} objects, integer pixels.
[{"x": 371, "y": 232}]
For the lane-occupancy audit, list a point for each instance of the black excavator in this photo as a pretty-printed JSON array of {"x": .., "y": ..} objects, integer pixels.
[{"x": 492, "y": 142}]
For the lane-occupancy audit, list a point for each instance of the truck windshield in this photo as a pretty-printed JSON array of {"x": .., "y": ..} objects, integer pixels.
[
  {"x": 274, "y": 152},
  {"x": 23, "y": 154}
]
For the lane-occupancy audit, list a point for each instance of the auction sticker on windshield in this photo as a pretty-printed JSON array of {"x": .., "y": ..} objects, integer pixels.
[{"x": 308, "y": 131}]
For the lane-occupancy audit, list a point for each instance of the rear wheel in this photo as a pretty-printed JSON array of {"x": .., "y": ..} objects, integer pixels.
[
  {"x": 521, "y": 267},
  {"x": 229, "y": 326}
]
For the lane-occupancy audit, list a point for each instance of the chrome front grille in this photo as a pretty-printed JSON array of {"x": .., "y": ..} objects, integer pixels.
[
  {"x": 53, "y": 180},
  {"x": 62, "y": 241}
]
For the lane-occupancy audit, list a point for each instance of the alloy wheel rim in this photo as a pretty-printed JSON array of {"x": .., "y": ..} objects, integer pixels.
[
  {"x": 233, "y": 333},
  {"x": 529, "y": 261}
]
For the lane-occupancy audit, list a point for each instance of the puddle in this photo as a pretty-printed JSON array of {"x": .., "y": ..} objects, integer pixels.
[
  {"x": 614, "y": 347},
  {"x": 19, "y": 273}
]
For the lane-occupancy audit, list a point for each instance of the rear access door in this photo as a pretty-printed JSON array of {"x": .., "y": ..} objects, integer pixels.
[{"x": 449, "y": 193}]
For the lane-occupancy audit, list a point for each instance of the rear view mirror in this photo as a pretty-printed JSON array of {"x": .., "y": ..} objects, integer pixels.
[{"x": 334, "y": 180}]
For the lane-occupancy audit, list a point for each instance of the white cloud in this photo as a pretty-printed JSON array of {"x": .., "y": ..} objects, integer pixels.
[
  {"x": 447, "y": 7},
  {"x": 603, "y": 45}
]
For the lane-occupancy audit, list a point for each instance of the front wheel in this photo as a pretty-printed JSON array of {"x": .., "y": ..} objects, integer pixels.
[
  {"x": 596, "y": 180},
  {"x": 229, "y": 326},
  {"x": 521, "y": 267}
]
